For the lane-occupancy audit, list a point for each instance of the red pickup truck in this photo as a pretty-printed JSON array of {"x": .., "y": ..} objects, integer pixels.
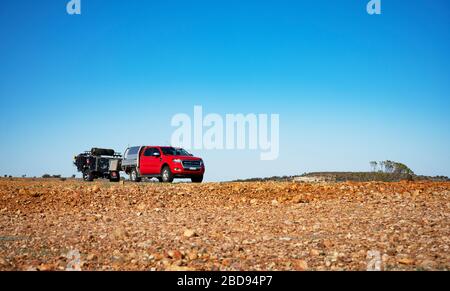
[{"x": 164, "y": 163}]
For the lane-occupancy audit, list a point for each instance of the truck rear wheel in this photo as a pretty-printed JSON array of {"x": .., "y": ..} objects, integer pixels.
[
  {"x": 197, "y": 179},
  {"x": 134, "y": 176},
  {"x": 167, "y": 176}
]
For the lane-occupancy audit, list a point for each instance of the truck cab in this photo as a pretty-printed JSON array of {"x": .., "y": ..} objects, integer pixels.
[{"x": 162, "y": 162}]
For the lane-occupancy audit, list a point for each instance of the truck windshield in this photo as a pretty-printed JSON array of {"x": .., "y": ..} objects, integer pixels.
[{"x": 174, "y": 152}]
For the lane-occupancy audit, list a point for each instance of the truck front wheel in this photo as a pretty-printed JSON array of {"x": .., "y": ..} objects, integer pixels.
[
  {"x": 134, "y": 176},
  {"x": 197, "y": 179},
  {"x": 166, "y": 174}
]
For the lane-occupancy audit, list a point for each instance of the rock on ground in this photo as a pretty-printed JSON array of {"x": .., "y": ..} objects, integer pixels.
[{"x": 224, "y": 226}]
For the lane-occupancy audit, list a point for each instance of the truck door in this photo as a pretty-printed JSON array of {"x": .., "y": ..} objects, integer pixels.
[{"x": 150, "y": 161}]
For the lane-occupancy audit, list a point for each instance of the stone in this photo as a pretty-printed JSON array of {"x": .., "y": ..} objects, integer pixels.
[
  {"x": 192, "y": 255},
  {"x": 300, "y": 265},
  {"x": 120, "y": 233},
  {"x": 174, "y": 254},
  {"x": 189, "y": 233},
  {"x": 91, "y": 257},
  {"x": 327, "y": 243},
  {"x": 176, "y": 268},
  {"x": 428, "y": 264},
  {"x": 406, "y": 261}
]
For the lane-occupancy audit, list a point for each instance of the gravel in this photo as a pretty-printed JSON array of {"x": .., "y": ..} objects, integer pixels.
[{"x": 48, "y": 224}]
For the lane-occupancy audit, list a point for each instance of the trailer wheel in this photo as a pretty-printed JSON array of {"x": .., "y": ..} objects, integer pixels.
[
  {"x": 88, "y": 176},
  {"x": 134, "y": 176},
  {"x": 116, "y": 178}
]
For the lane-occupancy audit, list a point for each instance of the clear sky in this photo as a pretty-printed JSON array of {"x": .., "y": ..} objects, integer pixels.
[{"x": 349, "y": 87}]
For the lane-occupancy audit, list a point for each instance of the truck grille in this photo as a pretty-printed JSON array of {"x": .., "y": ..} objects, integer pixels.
[{"x": 191, "y": 164}]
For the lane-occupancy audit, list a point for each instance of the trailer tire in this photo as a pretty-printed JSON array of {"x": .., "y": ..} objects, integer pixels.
[
  {"x": 88, "y": 176},
  {"x": 116, "y": 179}
]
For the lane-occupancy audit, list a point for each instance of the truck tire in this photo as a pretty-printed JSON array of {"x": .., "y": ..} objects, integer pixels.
[
  {"x": 134, "y": 176},
  {"x": 88, "y": 176},
  {"x": 115, "y": 179},
  {"x": 197, "y": 179},
  {"x": 166, "y": 174}
]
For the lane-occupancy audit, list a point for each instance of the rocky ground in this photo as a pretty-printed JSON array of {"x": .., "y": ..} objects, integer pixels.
[{"x": 72, "y": 225}]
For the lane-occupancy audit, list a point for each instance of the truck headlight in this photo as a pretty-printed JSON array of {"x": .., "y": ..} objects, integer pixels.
[
  {"x": 201, "y": 163},
  {"x": 177, "y": 161}
]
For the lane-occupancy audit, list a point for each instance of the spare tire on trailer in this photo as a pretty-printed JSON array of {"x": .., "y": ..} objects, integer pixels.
[{"x": 102, "y": 152}]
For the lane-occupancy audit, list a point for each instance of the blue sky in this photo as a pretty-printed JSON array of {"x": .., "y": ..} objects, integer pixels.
[{"x": 349, "y": 87}]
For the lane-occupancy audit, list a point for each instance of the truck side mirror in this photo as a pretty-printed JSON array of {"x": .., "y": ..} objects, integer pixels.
[{"x": 156, "y": 154}]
